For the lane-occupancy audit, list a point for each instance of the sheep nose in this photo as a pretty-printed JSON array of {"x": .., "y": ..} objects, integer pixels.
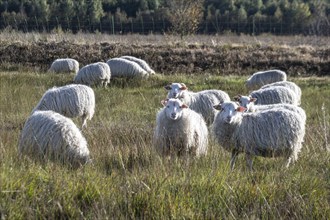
[
  {"x": 174, "y": 94},
  {"x": 228, "y": 119},
  {"x": 173, "y": 115}
]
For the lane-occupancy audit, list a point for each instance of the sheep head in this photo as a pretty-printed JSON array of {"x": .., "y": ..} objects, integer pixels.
[
  {"x": 229, "y": 110},
  {"x": 173, "y": 108},
  {"x": 245, "y": 101},
  {"x": 175, "y": 90}
]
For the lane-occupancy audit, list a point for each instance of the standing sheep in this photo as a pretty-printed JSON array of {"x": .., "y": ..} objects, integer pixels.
[
  {"x": 261, "y": 78},
  {"x": 94, "y": 74},
  {"x": 49, "y": 135},
  {"x": 202, "y": 102},
  {"x": 141, "y": 63},
  {"x": 291, "y": 85},
  {"x": 269, "y": 133},
  {"x": 271, "y": 95},
  {"x": 65, "y": 65},
  {"x": 180, "y": 130},
  {"x": 70, "y": 100},
  {"x": 248, "y": 103},
  {"x": 120, "y": 67}
]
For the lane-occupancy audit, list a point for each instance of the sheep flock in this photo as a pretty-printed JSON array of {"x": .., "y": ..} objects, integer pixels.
[{"x": 268, "y": 122}]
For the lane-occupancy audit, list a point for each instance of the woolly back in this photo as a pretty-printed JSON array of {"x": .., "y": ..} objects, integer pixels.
[
  {"x": 125, "y": 68},
  {"x": 143, "y": 64},
  {"x": 93, "y": 74},
  {"x": 261, "y": 78},
  {"x": 275, "y": 132},
  {"x": 291, "y": 85},
  {"x": 202, "y": 102},
  {"x": 49, "y": 135},
  {"x": 275, "y": 94},
  {"x": 70, "y": 100},
  {"x": 64, "y": 65},
  {"x": 289, "y": 107}
]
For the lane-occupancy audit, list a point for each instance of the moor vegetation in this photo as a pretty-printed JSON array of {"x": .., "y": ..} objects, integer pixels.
[
  {"x": 167, "y": 54},
  {"x": 128, "y": 179}
]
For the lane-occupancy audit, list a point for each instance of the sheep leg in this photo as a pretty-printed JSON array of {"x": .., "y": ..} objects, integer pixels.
[
  {"x": 289, "y": 162},
  {"x": 84, "y": 122},
  {"x": 248, "y": 158},
  {"x": 234, "y": 154},
  {"x": 292, "y": 158}
]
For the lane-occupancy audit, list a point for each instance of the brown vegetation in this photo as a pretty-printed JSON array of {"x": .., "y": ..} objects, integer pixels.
[{"x": 178, "y": 56}]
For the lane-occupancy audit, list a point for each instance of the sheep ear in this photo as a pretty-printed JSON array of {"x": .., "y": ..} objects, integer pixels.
[
  {"x": 183, "y": 86},
  {"x": 253, "y": 99},
  {"x": 184, "y": 106},
  {"x": 240, "y": 109},
  {"x": 164, "y": 102},
  {"x": 237, "y": 98},
  {"x": 167, "y": 87},
  {"x": 217, "y": 107}
]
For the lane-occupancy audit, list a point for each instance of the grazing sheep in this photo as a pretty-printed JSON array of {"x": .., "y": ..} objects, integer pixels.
[
  {"x": 49, "y": 135},
  {"x": 202, "y": 102},
  {"x": 271, "y": 95},
  {"x": 291, "y": 85},
  {"x": 120, "y": 67},
  {"x": 268, "y": 133},
  {"x": 141, "y": 63},
  {"x": 66, "y": 65},
  {"x": 71, "y": 101},
  {"x": 94, "y": 74},
  {"x": 261, "y": 78},
  {"x": 180, "y": 130}
]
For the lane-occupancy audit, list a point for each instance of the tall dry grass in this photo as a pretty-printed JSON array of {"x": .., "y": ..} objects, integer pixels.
[
  {"x": 10, "y": 35},
  {"x": 129, "y": 180}
]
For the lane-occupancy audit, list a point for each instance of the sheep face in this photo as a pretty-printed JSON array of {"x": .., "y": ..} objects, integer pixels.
[
  {"x": 245, "y": 101},
  {"x": 229, "y": 111},
  {"x": 175, "y": 90},
  {"x": 173, "y": 108}
]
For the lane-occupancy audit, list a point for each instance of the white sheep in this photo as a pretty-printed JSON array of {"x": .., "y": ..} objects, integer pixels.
[
  {"x": 271, "y": 95},
  {"x": 180, "y": 130},
  {"x": 64, "y": 65},
  {"x": 201, "y": 102},
  {"x": 142, "y": 63},
  {"x": 49, "y": 135},
  {"x": 291, "y": 85},
  {"x": 248, "y": 103},
  {"x": 73, "y": 100},
  {"x": 123, "y": 68},
  {"x": 94, "y": 74},
  {"x": 261, "y": 78},
  {"x": 268, "y": 133}
]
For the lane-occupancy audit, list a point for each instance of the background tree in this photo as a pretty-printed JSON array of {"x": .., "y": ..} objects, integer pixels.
[
  {"x": 179, "y": 16},
  {"x": 185, "y": 15},
  {"x": 94, "y": 12}
]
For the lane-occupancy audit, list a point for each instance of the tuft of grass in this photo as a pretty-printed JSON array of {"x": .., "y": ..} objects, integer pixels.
[{"x": 128, "y": 179}]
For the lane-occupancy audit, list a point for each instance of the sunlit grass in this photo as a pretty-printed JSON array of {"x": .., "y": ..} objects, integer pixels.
[{"x": 127, "y": 178}]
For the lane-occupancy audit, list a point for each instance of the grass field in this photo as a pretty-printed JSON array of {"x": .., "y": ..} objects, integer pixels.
[{"x": 129, "y": 180}]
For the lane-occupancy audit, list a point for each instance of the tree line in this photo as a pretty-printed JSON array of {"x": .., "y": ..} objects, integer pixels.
[{"x": 159, "y": 16}]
